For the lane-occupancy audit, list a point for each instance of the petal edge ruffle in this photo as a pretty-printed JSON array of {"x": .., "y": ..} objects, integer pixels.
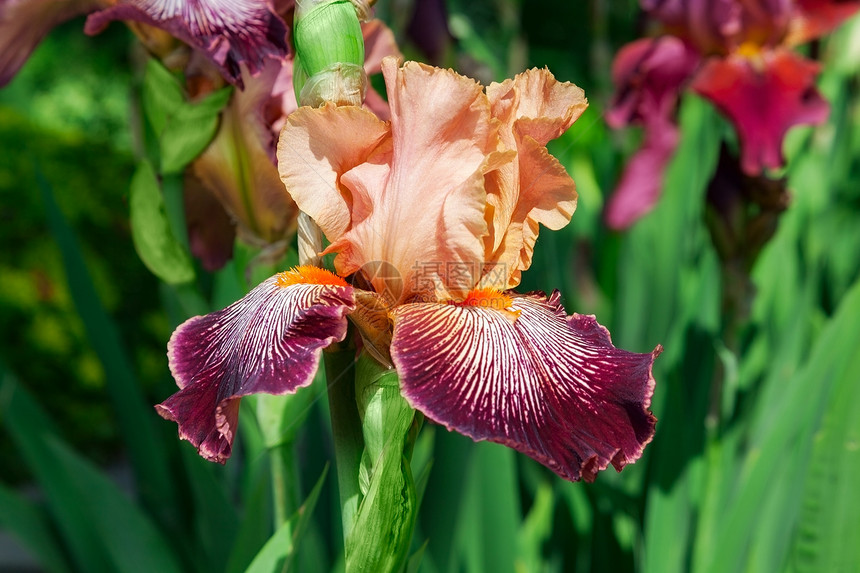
[
  {"x": 267, "y": 342},
  {"x": 550, "y": 386}
]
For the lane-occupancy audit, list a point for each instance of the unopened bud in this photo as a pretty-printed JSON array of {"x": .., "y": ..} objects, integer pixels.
[{"x": 330, "y": 51}]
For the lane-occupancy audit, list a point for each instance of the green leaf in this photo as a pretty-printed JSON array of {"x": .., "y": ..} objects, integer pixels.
[
  {"x": 279, "y": 552},
  {"x": 104, "y": 530},
  {"x": 214, "y": 517},
  {"x": 784, "y": 451},
  {"x": 489, "y": 519},
  {"x": 537, "y": 529},
  {"x": 162, "y": 94},
  {"x": 153, "y": 239},
  {"x": 30, "y": 525},
  {"x": 255, "y": 527},
  {"x": 414, "y": 563},
  {"x": 829, "y": 523},
  {"x": 189, "y": 129},
  {"x": 183, "y": 128},
  {"x": 134, "y": 415}
]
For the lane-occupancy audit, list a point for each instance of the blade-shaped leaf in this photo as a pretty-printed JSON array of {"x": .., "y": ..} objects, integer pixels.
[
  {"x": 104, "y": 530},
  {"x": 278, "y": 554},
  {"x": 134, "y": 416},
  {"x": 30, "y": 525},
  {"x": 829, "y": 523}
]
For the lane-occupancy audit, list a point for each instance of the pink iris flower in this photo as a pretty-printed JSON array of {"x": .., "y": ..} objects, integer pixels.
[
  {"x": 432, "y": 215},
  {"x": 735, "y": 53}
]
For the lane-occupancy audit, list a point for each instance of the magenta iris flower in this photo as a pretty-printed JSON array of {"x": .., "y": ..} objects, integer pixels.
[
  {"x": 433, "y": 216},
  {"x": 735, "y": 53}
]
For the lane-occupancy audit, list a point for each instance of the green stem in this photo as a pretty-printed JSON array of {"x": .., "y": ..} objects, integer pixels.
[{"x": 346, "y": 429}]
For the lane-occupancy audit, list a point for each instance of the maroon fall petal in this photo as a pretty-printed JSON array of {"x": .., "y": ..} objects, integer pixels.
[
  {"x": 763, "y": 97},
  {"x": 23, "y": 24},
  {"x": 550, "y": 386},
  {"x": 267, "y": 342},
  {"x": 229, "y": 33}
]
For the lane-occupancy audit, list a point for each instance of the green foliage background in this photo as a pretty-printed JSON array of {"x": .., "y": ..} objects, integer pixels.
[{"x": 758, "y": 442}]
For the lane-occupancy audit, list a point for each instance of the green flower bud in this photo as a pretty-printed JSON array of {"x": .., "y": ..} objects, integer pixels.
[{"x": 330, "y": 51}]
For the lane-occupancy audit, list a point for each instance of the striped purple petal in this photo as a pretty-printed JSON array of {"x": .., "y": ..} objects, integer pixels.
[
  {"x": 269, "y": 341},
  {"x": 229, "y": 32},
  {"x": 530, "y": 377}
]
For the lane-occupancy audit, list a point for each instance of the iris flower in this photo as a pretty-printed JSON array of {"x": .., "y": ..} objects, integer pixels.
[
  {"x": 432, "y": 216},
  {"x": 735, "y": 53}
]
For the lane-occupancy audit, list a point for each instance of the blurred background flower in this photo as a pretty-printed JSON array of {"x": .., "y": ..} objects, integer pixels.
[{"x": 738, "y": 55}]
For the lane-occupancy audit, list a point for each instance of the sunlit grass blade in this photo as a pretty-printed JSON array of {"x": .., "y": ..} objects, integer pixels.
[
  {"x": 829, "y": 523},
  {"x": 278, "y": 554},
  {"x": 786, "y": 449}
]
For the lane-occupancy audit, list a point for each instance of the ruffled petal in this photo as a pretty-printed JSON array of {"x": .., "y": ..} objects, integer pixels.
[
  {"x": 238, "y": 167},
  {"x": 316, "y": 147},
  {"x": 228, "y": 32},
  {"x": 550, "y": 386},
  {"x": 534, "y": 189},
  {"x": 763, "y": 97},
  {"x": 23, "y": 24},
  {"x": 269, "y": 341},
  {"x": 417, "y": 202}
]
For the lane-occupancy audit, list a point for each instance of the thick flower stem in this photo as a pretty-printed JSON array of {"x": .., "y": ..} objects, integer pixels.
[
  {"x": 742, "y": 216},
  {"x": 385, "y": 519},
  {"x": 346, "y": 429}
]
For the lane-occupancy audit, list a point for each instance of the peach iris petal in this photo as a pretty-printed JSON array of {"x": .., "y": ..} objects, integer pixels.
[
  {"x": 422, "y": 204},
  {"x": 316, "y": 147},
  {"x": 534, "y": 189},
  {"x": 763, "y": 98}
]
